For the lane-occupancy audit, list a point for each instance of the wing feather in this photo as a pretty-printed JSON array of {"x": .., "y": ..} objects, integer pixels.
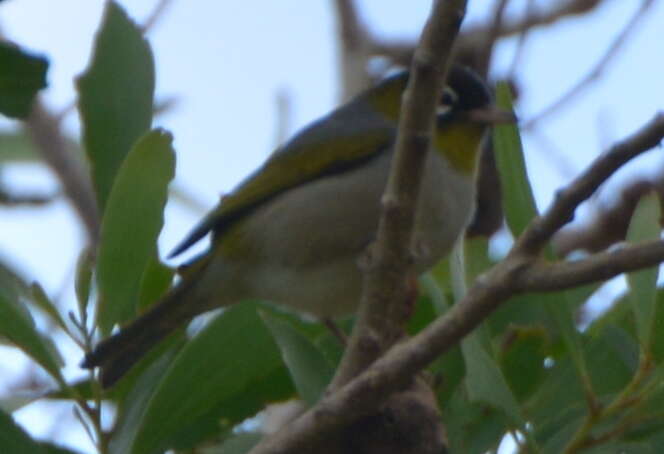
[{"x": 330, "y": 149}]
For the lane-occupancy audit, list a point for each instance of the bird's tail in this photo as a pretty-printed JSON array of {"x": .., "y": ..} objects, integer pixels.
[{"x": 120, "y": 352}]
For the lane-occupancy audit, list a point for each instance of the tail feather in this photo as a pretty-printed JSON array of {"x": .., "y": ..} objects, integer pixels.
[{"x": 120, "y": 352}]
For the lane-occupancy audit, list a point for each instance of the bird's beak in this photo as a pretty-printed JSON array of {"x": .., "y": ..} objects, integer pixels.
[{"x": 491, "y": 116}]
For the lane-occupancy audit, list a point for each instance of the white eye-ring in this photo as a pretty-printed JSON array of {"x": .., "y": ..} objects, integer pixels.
[{"x": 447, "y": 100}]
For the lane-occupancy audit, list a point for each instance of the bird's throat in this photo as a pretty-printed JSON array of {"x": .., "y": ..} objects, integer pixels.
[{"x": 460, "y": 144}]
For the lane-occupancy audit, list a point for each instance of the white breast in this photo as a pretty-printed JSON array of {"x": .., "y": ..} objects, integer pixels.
[{"x": 309, "y": 239}]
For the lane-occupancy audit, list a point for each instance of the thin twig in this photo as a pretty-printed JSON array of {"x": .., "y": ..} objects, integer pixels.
[
  {"x": 596, "y": 71},
  {"x": 44, "y": 130},
  {"x": 608, "y": 222},
  {"x": 11, "y": 199},
  {"x": 284, "y": 112},
  {"x": 521, "y": 42},
  {"x": 483, "y": 57},
  {"x": 567, "y": 200},
  {"x": 562, "y": 10},
  {"x": 156, "y": 14},
  {"x": 356, "y": 44},
  {"x": 469, "y": 41},
  {"x": 598, "y": 267},
  {"x": 549, "y": 151},
  {"x": 397, "y": 367}
]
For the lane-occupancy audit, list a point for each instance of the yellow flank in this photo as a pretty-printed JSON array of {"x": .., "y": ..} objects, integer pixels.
[{"x": 459, "y": 143}]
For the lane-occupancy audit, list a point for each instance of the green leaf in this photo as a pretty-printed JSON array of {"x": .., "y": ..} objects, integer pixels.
[
  {"x": 132, "y": 408},
  {"x": 485, "y": 382},
  {"x": 17, "y": 325},
  {"x": 155, "y": 281},
  {"x": 520, "y": 209},
  {"x": 240, "y": 443},
  {"x": 83, "y": 279},
  {"x": 518, "y": 199},
  {"x": 434, "y": 291},
  {"x": 43, "y": 302},
  {"x": 16, "y": 146},
  {"x": 11, "y": 403},
  {"x": 228, "y": 413},
  {"x": 306, "y": 363},
  {"x": 131, "y": 225},
  {"x": 115, "y": 96},
  {"x": 484, "y": 379},
  {"x": 21, "y": 76},
  {"x": 559, "y": 400},
  {"x": 623, "y": 448},
  {"x": 425, "y": 311},
  {"x": 82, "y": 387},
  {"x": 558, "y": 434},
  {"x": 477, "y": 257},
  {"x": 14, "y": 288},
  {"x": 642, "y": 284},
  {"x": 561, "y": 307},
  {"x": 472, "y": 427},
  {"x": 50, "y": 448},
  {"x": 13, "y": 439},
  {"x": 449, "y": 369},
  {"x": 658, "y": 328},
  {"x": 231, "y": 355},
  {"x": 522, "y": 356}
]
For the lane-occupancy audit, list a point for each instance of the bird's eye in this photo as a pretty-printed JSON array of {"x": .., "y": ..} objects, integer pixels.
[{"x": 447, "y": 100}]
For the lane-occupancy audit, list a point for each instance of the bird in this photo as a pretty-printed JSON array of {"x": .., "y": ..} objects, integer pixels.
[{"x": 292, "y": 232}]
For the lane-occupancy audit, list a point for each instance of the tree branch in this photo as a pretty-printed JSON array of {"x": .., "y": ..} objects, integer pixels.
[
  {"x": 485, "y": 52},
  {"x": 598, "y": 267},
  {"x": 597, "y": 70},
  {"x": 355, "y": 49},
  {"x": 391, "y": 260},
  {"x": 607, "y": 225},
  {"x": 156, "y": 14},
  {"x": 474, "y": 38},
  {"x": 540, "y": 231},
  {"x": 513, "y": 275},
  {"x": 44, "y": 130},
  {"x": 385, "y": 286}
]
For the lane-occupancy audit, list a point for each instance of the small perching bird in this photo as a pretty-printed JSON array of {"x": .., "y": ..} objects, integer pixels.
[{"x": 293, "y": 231}]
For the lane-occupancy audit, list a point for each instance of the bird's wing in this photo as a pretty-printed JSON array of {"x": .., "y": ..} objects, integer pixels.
[{"x": 329, "y": 150}]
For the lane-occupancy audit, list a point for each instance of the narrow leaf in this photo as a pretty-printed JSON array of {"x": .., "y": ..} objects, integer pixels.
[
  {"x": 233, "y": 353},
  {"x": 13, "y": 439},
  {"x": 484, "y": 379},
  {"x": 43, "y": 302},
  {"x": 485, "y": 382},
  {"x": 228, "y": 413},
  {"x": 240, "y": 443},
  {"x": 115, "y": 96},
  {"x": 518, "y": 198},
  {"x": 132, "y": 407},
  {"x": 83, "y": 279},
  {"x": 155, "y": 281},
  {"x": 16, "y": 146},
  {"x": 642, "y": 284},
  {"x": 19, "y": 328},
  {"x": 520, "y": 209},
  {"x": 306, "y": 363},
  {"x": 131, "y": 225},
  {"x": 21, "y": 76}
]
